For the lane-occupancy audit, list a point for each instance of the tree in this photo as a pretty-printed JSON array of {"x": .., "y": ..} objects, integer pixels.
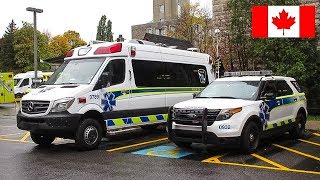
[
  {"x": 294, "y": 57},
  {"x": 59, "y": 45},
  {"x": 109, "y": 31},
  {"x": 104, "y": 31},
  {"x": 194, "y": 24},
  {"x": 74, "y": 39},
  {"x": 7, "y": 52},
  {"x": 23, "y": 46}
]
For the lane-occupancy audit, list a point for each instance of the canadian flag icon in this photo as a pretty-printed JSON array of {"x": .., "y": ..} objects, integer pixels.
[{"x": 283, "y": 21}]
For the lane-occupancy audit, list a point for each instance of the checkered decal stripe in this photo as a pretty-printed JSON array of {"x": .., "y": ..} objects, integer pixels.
[{"x": 136, "y": 120}]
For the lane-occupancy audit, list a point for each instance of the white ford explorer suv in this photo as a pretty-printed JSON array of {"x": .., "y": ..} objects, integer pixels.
[{"x": 239, "y": 110}]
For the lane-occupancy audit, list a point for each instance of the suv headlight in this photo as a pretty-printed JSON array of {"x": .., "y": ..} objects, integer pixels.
[
  {"x": 62, "y": 104},
  {"x": 227, "y": 113}
]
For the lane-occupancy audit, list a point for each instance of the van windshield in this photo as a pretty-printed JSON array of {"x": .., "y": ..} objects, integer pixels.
[
  {"x": 231, "y": 89},
  {"x": 16, "y": 81},
  {"x": 76, "y": 71}
]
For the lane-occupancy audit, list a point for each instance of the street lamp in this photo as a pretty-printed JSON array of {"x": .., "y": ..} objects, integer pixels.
[
  {"x": 35, "y": 43},
  {"x": 217, "y": 33}
]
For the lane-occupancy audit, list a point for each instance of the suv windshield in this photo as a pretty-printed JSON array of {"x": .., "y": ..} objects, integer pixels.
[
  {"x": 231, "y": 89},
  {"x": 77, "y": 71}
]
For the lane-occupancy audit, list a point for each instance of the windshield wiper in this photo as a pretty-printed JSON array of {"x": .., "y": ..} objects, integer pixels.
[
  {"x": 227, "y": 97},
  {"x": 65, "y": 83}
]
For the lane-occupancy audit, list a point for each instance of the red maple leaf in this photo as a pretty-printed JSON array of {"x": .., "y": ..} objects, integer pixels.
[{"x": 283, "y": 22}]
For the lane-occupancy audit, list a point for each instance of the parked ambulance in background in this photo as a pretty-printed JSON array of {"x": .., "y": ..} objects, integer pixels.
[
  {"x": 6, "y": 88},
  {"x": 24, "y": 81},
  {"x": 110, "y": 87}
]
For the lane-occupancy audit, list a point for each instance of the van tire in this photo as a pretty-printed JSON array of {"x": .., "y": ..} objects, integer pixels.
[
  {"x": 250, "y": 137},
  {"x": 88, "y": 135},
  {"x": 149, "y": 127},
  {"x": 182, "y": 144},
  {"x": 42, "y": 140},
  {"x": 299, "y": 127}
]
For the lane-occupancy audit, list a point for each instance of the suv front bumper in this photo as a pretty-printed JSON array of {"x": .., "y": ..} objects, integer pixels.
[{"x": 58, "y": 124}]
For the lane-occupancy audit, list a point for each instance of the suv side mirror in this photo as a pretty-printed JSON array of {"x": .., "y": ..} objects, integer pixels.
[{"x": 268, "y": 96}]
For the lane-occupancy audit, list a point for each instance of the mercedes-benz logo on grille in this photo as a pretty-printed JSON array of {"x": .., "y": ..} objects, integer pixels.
[
  {"x": 30, "y": 106},
  {"x": 192, "y": 116}
]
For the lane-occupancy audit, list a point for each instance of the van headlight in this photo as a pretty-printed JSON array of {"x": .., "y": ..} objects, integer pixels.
[
  {"x": 62, "y": 104},
  {"x": 227, "y": 113}
]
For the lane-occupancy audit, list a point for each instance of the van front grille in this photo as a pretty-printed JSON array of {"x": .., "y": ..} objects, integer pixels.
[{"x": 35, "y": 107}]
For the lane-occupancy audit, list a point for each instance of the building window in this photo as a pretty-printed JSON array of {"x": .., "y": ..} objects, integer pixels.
[
  {"x": 179, "y": 8},
  {"x": 164, "y": 30},
  {"x": 149, "y": 30},
  {"x": 161, "y": 12}
]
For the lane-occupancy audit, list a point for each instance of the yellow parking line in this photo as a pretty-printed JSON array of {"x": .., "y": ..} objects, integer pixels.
[
  {"x": 13, "y": 140},
  {"x": 309, "y": 142},
  {"x": 297, "y": 152},
  {"x": 25, "y": 137},
  {"x": 266, "y": 167},
  {"x": 8, "y": 126},
  {"x": 135, "y": 145},
  {"x": 316, "y": 134},
  {"x": 214, "y": 159},
  {"x": 269, "y": 161},
  {"x": 10, "y": 134}
]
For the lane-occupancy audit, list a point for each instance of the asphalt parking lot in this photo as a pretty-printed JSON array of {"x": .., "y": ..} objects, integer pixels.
[{"x": 149, "y": 155}]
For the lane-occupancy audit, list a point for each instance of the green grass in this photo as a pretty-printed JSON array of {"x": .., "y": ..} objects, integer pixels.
[{"x": 314, "y": 118}]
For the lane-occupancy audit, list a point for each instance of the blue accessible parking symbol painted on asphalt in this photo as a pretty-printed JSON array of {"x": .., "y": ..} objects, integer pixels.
[{"x": 164, "y": 151}]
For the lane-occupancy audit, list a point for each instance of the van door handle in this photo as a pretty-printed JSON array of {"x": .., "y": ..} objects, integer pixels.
[{"x": 130, "y": 75}]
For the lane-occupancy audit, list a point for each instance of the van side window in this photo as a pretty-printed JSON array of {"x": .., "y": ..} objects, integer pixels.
[
  {"x": 115, "y": 72},
  {"x": 148, "y": 73},
  {"x": 186, "y": 75},
  {"x": 166, "y": 74},
  {"x": 25, "y": 82},
  {"x": 283, "y": 88}
]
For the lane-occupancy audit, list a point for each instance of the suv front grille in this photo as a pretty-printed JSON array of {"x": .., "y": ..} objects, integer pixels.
[
  {"x": 35, "y": 107},
  {"x": 194, "y": 116}
]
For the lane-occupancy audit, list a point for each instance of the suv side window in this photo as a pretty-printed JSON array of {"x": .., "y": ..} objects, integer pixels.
[
  {"x": 296, "y": 85},
  {"x": 283, "y": 88},
  {"x": 269, "y": 87},
  {"x": 114, "y": 72}
]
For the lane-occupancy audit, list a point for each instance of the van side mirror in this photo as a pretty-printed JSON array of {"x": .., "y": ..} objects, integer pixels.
[
  {"x": 194, "y": 95},
  {"x": 103, "y": 80},
  {"x": 268, "y": 96}
]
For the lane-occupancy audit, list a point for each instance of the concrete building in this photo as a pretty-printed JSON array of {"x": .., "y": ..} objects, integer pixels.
[{"x": 164, "y": 12}]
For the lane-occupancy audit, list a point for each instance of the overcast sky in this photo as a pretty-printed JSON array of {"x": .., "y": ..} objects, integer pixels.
[{"x": 80, "y": 15}]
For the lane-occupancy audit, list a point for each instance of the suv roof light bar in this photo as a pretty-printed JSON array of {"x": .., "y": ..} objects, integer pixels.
[{"x": 248, "y": 73}]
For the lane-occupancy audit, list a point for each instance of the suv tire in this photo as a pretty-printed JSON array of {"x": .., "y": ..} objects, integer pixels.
[
  {"x": 42, "y": 140},
  {"x": 250, "y": 137},
  {"x": 299, "y": 127},
  {"x": 88, "y": 135}
]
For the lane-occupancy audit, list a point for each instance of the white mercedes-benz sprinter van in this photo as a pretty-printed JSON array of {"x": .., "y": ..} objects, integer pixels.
[{"x": 109, "y": 86}]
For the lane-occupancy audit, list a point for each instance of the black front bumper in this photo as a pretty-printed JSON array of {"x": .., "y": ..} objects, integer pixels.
[
  {"x": 203, "y": 136},
  {"x": 58, "y": 124},
  {"x": 177, "y": 135}
]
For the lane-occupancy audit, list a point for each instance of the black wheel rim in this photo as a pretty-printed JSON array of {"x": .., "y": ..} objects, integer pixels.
[
  {"x": 90, "y": 135},
  {"x": 253, "y": 138}
]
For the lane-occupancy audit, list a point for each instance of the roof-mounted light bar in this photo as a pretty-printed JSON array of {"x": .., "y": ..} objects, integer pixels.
[
  {"x": 248, "y": 73},
  {"x": 109, "y": 49}
]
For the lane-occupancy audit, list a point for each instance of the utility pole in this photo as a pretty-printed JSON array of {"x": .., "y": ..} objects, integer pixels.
[{"x": 35, "y": 41}]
